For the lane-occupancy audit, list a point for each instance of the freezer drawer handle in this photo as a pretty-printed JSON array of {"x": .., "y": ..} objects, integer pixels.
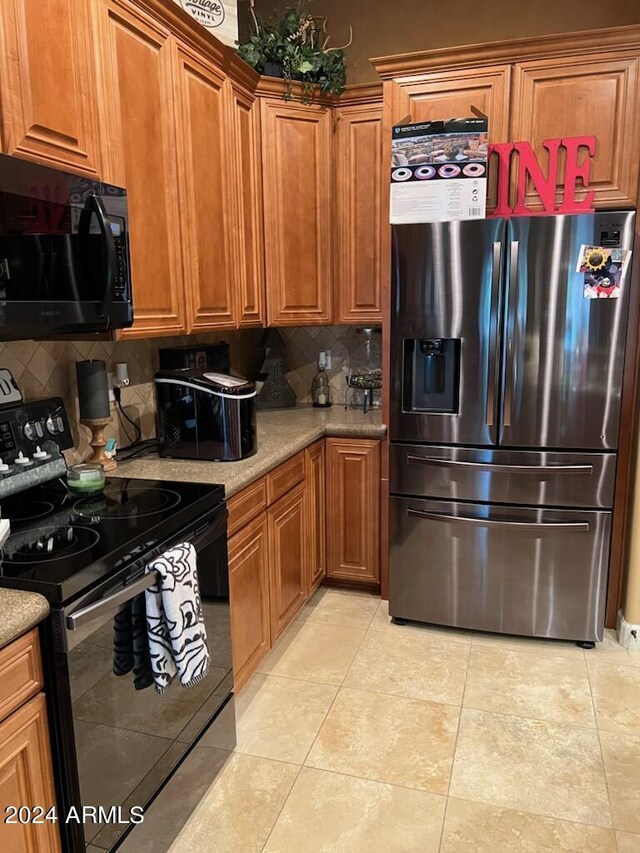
[
  {"x": 575, "y": 526},
  {"x": 506, "y": 469},
  {"x": 112, "y": 602}
]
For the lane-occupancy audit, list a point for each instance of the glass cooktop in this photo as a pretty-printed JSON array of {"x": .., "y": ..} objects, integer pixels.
[{"x": 60, "y": 545}]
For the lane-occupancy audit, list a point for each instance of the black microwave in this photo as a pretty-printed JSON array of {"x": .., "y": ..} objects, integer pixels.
[{"x": 64, "y": 253}]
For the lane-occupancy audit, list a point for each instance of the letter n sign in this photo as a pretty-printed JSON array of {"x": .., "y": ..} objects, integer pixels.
[{"x": 545, "y": 185}]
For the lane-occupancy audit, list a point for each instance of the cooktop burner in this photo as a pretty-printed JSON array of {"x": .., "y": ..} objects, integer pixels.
[
  {"x": 61, "y": 545},
  {"x": 19, "y": 511},
  {"x": 48, "y": 543},
  {"x": 127, "y": 503}
]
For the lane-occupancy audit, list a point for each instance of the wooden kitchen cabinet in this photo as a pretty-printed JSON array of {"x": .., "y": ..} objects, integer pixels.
[
  {"x": 594, "y": 94},
  {"x": 288, "y": 555},
  {"x": 353, "y": 510},
  {"x": 439, "y": 95},
  {"x": 136, "y": 67},
  {"x": 26, "y": 771},
  {"x": 244, "y": 125},
  {"x": 359, "y": 213},
  {"x": 249, "y": 594},
  {"x": 205, "y": 180},
  {"x": 316, "y": 517},
  {"x": 26, "y": 778},
  {"x": 297, "y": 159},
  {"x": 48, "y": 107}
]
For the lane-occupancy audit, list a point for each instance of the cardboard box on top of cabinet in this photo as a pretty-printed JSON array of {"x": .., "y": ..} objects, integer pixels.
[{"x": 219, "y": 17}]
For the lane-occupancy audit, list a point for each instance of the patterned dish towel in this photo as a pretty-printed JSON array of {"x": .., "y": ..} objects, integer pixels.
[{"x": 175, "y": 626}]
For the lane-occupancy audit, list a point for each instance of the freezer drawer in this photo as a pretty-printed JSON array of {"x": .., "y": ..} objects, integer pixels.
[
  {"x": 512, "y": 570},
  {"x": 504, "y": 476}
]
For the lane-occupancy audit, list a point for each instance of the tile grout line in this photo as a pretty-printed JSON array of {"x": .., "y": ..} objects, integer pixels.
[
  {"x": 604, "y": 769},
  {"x": 455, "y": 747},
  {"x": 302, "y": 765}
]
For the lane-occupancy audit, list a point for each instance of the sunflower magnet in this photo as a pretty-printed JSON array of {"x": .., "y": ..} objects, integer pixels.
[{"x": 603, "y": 271}]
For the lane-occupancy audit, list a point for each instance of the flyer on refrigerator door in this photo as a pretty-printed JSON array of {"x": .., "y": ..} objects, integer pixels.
[{"x": 439, "y": 171}]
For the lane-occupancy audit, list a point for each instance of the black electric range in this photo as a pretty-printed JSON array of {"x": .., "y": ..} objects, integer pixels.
[
  {"x": 88, "y": 557},
  {"x": 62, "y": 546}
]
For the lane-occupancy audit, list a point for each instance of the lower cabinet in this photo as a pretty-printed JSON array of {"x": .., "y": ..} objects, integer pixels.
[
  {"x": 353, "y": 510},
  {"x": 288, "y": 558},
  {"x": 249, "y": 594},
  {"x": 315, "y": 515},
  {"x": 26, "y": 770},
  {"x": 317, "y": 530}
]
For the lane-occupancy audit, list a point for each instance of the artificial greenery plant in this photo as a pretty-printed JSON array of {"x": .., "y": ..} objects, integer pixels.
[{"x": 293, "y": 44}]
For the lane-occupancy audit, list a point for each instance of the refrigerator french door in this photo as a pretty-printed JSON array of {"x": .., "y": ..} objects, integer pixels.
[{"x": 505, "y": 403}]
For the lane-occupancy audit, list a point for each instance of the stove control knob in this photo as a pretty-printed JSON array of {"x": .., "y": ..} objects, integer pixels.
[
  {"x": 29, "y": 431},
  {"x": 51, "y": 425},
  {"x": 39, "y": 429}
]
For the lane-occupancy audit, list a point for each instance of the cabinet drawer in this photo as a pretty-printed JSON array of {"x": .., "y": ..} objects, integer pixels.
[
  {"x": 20, "y": 672},
  {"x": 285, "y": 477},
  {"x": 246, "y": 505}
]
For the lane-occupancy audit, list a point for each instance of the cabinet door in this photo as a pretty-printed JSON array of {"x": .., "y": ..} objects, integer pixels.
[
  {"x": 317, "y": 530},
  {"x": 205, "y": 181},
  {"x": 248, "y": 210},
  {"x": 288, "y": 554},
  {"x": 353, "y": 510},
  {"x": 595, "y": 95},
  {"x": 138, "y": 128},
  {"x": 48, "y": 105},
  {"x": 249, "y": 593},
  {"x": 442, "y": 95},
  {"x": 359, "y": 211},
  {"x": 26, "y": 778},
  {"x": 297, "y": 144}
]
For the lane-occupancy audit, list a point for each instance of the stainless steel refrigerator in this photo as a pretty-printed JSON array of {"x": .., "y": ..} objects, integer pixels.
[{"x": 505, "y": 406}]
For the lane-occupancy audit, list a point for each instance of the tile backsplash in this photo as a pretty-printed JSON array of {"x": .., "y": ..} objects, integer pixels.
[
  {"x": 47, "y": 369},
  {"x": 302, "y": 346}
]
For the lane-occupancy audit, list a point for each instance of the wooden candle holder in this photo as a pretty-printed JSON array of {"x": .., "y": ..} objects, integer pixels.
[{"x": 98, "y": 442}]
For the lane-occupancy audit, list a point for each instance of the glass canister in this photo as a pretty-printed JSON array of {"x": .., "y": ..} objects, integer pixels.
[
  {"x": 87, "y": 478},
  {"x": 364, "y": 368}
]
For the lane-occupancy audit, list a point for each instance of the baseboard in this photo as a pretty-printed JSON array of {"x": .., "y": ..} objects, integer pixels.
[{"x": 628, "y": 633}]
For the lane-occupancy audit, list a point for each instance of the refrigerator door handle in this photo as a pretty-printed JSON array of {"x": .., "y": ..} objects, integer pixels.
[
  {"x": 511, "y": 325},
  {"x": 494, "y": 341},
  {"x": 574, "y": 526},
  {"x": 498, "y": 467}
]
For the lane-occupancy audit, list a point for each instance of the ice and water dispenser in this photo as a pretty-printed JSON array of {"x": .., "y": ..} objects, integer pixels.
[{"x": 431, "y": 376}]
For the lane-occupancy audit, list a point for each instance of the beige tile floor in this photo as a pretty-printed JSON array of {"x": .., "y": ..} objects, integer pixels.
[{"x": 360, "y": 735}]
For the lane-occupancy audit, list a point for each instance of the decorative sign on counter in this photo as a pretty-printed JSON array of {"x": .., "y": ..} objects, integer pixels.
[
  {"x": 439, "y": 171},
  {"x": 219, "y": 17}
]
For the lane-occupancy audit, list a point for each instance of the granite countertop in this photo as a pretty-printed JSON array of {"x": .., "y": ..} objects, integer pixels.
[
  {"x": 281, "y": 433},
  {"x": 19, "y": 612}
]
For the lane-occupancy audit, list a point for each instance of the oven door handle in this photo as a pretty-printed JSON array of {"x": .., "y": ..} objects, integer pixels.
[{"x": 112, "y": 603}]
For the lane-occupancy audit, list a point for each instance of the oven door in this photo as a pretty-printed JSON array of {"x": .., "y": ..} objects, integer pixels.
[{"x": 128, "y": 741}]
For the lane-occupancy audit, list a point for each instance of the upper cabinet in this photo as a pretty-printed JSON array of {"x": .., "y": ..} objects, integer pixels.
[
  {"x": 577, "y": 84},
  {"x": 138, "y": 129},
  {"x": 297, "y": 192},
  {"x": 48, "y": 99},
  {"x": 358, "y": 200},
  {"x": 205, "y": 182},
  {"x": 246, "y": 161},
  {"x": 596, "y": 94},
  {"x": 441, "y": 95}
]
